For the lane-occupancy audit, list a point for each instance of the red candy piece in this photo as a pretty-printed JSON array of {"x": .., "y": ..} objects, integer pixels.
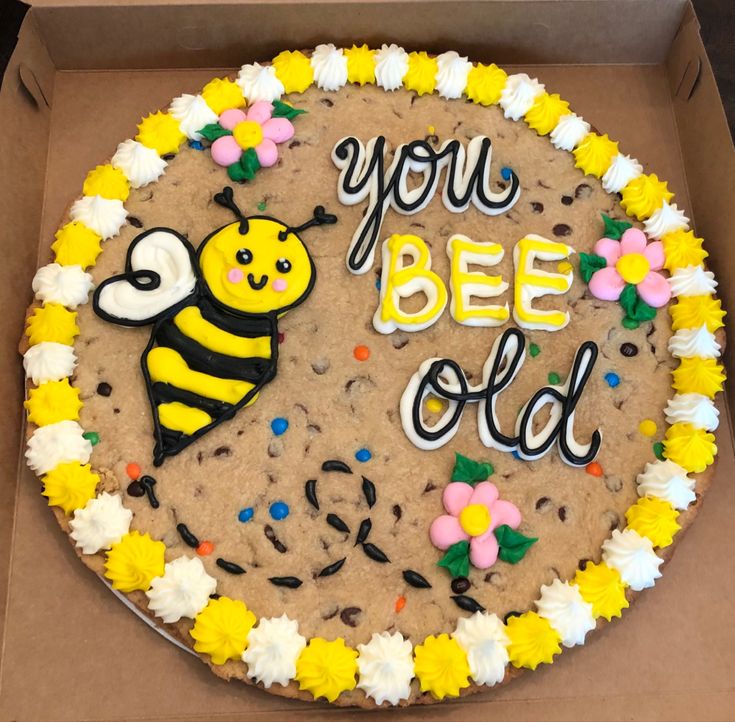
[
  {"x": 593, "y": 468},
  {"x": 132, "y": 470},
  {"x": 281, "y": 337},
  {"x": 361, "y": 353},
  {"x": 205, "y": 548}
]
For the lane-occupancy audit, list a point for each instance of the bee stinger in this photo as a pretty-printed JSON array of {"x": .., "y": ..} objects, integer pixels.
[{"x": 214, "y": 311}]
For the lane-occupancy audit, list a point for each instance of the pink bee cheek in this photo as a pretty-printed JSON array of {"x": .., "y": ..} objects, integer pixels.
[
  {"x": 235, "y": 275},
  {"x": 279, "y": 285}
]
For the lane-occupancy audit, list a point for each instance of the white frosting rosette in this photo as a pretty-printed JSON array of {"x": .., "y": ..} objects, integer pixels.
[
  {"x": 518, "y": 95},
  {"x": 274, "y": 645},
  {"x": 102, "y": 522},
  {"x": 668, "y": 481},
  {"x": 483, "y": 638},
  {"x": 391, "y": 65},
  {"x": 105, "y": 216},
  {"x": 633, "y": 556},
  {"x": 693, "y": 409},
  {"x": 569, "y": 132},
  {"x": 622, "y": 170},
  {"x": 385, "y": 665},
  {"x": 329, "y": 64},
  {"x": 182, "y": 591},
  {"x": 259, "y": 82},
  {"x": 140, "y": 164},
  {"x": 562, "y": 605},
  {"x": 67, "y": 285},
  {"x": 56, "y": 444},
  {"x": 451, "y": 74},
  {"x": 193, "y": 114},
  {"x": 49, "y": 361},
  {"x": 691, "y": 342}
]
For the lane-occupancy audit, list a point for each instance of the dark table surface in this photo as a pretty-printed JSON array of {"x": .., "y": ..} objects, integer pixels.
[{"x": 717, "y": 18}]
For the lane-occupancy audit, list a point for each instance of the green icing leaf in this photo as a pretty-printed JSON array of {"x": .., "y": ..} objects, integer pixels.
[
  {"x": 636, "y": 309},
  {"x": 588, "y": 264},
  {"x": 513, "y": 545},
  {"x": 284, "y": 110},
  {"x": 236, "y": 172},
  {"x": 615, "y": 229},
  {"x": 470, "y": 471},
  {"x": 456, "y": 560},
  {"x": 245, "y": 168},
  {"x": 213, "y": 131}
]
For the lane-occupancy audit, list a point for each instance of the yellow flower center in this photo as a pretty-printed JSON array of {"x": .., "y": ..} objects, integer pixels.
[
  {"x": 248, "y": 134},
  {"x": 633, "y": 267},
  {"x": 474, "y": 519}
]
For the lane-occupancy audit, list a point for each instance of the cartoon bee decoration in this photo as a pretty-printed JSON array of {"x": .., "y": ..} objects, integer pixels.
[{"x": 214, "y": 310}]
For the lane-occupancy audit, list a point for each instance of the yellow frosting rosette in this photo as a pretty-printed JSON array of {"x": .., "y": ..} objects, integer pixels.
[
  {"x": 485, "y": 83},
  {"x": 533, "y": 640},
  {"x": 134, "y": 561},
  {"x": 692, "y": 448},
  {"x": 421, "y": 75},
  {"x": 360, "y": 65},
  {"x": 294, "y": 70},
  {"x": 441, "y": 666},
  {"x": 655, "y": 519},
  {"x": 221, "y": 629},
  {"x": 76, "y": 245},
  {"x": 70, "y": 486},
  {"x": 107, "y": 182},
  {"x": 603, "y": 588},
  {"x": 161, "y": 132},
  {"x": 644, "y": 195},
  {"x": 223, "y": 94},
  {"x": 326, "y": 669},
  {"x": 53, "y": 401},
  {"x": 52, "y": 322},
  {"x": 544, "y": 114}
]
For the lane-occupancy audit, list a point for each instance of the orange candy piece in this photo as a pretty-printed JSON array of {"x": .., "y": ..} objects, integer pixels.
[
  {"x": 205, "y": 548},
  {"x": 400, "y": 603},
  {"x": 361, "y": 353},
  {"x": 593, "y": 468},
  {"x": 132, "y": 470}
]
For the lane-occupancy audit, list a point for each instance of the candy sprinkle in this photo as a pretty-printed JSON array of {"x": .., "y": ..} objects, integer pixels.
[
  {"x": 279, "y": 510},
  {"x": 363, "y": 455},
  {"x": 431, "y": 130},
  {"x": 658, "y": 450},
  {"x": 612, "y": 379},
  {"x": 246, "y": 514},
  {"x": 534, "y": 350},
  {"x": 400, "y": 603},
  {"x": 92, "y": 436},
  {"x": 281, "y": 337},
  {"x": 593, "y": 468},
  {"x": 648, "y": 427},
  {"x": 564, "y": 267},
  {"x": 361, "y": 353},
  {"x": 132, "y": 470},
  {"x": 205, "y": 549},
  {"x": 434, "y": 405},
  {"x": 554, "y": 378},
  {"x": 515, "y": 455},
  {"x": 279, "y": 426},
  {"x": 262, "y": 206}
]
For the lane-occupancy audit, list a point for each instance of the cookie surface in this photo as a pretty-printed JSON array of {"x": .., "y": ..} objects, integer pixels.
[{"x": 318, "y": 486}]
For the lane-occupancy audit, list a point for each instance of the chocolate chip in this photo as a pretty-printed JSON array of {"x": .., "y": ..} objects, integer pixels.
[
  {"x": 612, "y": 519},
  {"x": 348, "y": 616},
  {"x": 294, "y": 143},
  {"x": 583, "y": 191},
  {"x": 613, "y": 483},
  {"x": 399, "y": 340},
  {"x": 168, "y": 156},
  {"x": 223, "y": 451},
  {"x": 562, "y": 230},
  {"x": 135, "y": 222},
  {"x": 135, "y": 488},
  {"x": 116, "y": 411},
  {"x": 327, "y": 102},
  {"x": 583, "y": 564},
  {"x": 275, "y": 448},
  {"x": 433, "y": 139},
  {"x": 104, "y": 389},
  {"x": 397, "y": 513},
  {"x": 562, "y": 512},
  {"x": 492, "y": 577},
  {"x": 460, "y": 585},
  {"x": 567, "y": 200},
  {"x": 543, "y": 504},
  {"x": 629, "y": 349},
  {"x": 430, "y": 486},
  {"x": 537, "y": 207}
]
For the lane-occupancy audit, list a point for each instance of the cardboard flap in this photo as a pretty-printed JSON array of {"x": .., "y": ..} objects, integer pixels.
[
  {"x": 25, "y": 96},
  {"x": 161, "y": 34},
  {"x": 707, "y": 151}
]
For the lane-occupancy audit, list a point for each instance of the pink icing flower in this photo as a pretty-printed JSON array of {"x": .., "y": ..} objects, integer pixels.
[
  {"x": 252, "y": 129},
  {"x": 631, "y": 260},
  {"x": 473, "y": 516}
]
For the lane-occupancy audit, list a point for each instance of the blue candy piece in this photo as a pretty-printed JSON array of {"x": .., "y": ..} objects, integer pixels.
[
  {"x": 506, "y": 173},
  {"x": 279, "y": 510},
  {"x": 516, "y": 455},
  {"x": 279, "y": 426},
  {"x": 377, "y": 284},
  {"x": 245, "y": 514},
  {"x": 196, "y": 145},
  {"x": 363, "y": 455},
  {"x": 612, "y": 379}
]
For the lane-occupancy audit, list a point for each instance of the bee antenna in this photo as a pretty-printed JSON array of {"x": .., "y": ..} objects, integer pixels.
[
  {"x": 320, "y": 218},
  {"x": 226, "y": 200}
]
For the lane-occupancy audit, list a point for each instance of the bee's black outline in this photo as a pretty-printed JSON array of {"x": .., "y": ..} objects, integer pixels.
[{"x": 202, "y": 292}]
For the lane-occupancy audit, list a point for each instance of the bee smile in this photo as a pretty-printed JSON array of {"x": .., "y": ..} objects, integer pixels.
[{"x": 257, "y": 285}]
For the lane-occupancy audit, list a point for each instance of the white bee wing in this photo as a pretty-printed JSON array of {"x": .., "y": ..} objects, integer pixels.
[{"x": 160, "y": 273}]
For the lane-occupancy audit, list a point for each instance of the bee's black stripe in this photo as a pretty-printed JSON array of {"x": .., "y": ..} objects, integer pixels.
[
  {"x": 251, "y": 326},
  {"x": 166, "y": 393},
  {"x": 199, "y": 358}
]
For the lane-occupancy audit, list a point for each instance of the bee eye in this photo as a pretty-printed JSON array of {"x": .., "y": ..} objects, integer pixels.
[
  {"x": 244, "y": 256},
  {"x": 283, "y": 265}
]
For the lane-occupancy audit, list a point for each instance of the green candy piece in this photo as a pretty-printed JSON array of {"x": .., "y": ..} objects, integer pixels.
[
  {"x": 534, "y": 350},
  {"x": 92, "y": 436},
  {"x": 658, "y": 450},
  {"x": 554, "y": 378},
  {"x": 261, "y": 206}
]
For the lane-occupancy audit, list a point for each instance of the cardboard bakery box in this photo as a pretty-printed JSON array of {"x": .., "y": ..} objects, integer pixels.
[{"x": 82, "y": 75}]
